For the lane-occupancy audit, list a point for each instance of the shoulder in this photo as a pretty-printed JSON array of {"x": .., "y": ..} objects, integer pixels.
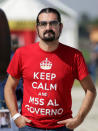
[
  {"x": 27, "y": 48},
  {"x": 70, "y": 50}
]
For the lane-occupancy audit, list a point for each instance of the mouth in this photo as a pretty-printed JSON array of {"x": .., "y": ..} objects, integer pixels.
[{"x": 49, "y": 32}]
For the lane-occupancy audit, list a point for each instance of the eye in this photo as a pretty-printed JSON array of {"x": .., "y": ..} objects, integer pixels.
[
  {"x": 54, "y": 23},
  {"x": 42, "y": 23}
]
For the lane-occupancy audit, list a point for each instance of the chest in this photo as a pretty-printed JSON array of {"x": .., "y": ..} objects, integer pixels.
[{"x": 46, "y": 68}]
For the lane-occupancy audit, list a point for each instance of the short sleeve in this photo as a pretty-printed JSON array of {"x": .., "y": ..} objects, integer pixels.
[
  {"x": 81, "y": 70},
  {"x": 15, "y": 66}
]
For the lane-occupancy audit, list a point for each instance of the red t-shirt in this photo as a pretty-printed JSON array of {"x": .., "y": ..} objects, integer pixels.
[{"x": 47, "y": 81}]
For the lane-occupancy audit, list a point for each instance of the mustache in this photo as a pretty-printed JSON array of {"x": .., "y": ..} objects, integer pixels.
[{"x": 49, "y": 31}]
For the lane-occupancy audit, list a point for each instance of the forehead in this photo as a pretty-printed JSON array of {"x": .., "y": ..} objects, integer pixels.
[{"x": 47, "y": 16}]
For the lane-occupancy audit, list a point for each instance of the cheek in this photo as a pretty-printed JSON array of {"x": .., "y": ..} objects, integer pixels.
[
  {"x": 41, "y": 31},
  {"x": 57, "y": 32}
]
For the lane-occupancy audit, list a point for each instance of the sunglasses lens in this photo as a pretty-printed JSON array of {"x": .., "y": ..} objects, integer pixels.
[{"x": 43, "y": 23}]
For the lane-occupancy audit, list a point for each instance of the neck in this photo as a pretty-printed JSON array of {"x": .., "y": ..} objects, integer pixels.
[{"x": 48, "y": 46}]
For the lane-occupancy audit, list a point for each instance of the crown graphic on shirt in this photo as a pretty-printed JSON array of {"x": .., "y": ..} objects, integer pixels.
[{"x": 46, "y": 64}]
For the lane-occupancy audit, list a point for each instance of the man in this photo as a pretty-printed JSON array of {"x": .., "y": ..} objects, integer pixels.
[{"x": 48, "y": 69}]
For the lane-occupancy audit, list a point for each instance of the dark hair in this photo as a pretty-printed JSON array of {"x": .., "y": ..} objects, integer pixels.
[{"x": 49, "y": 10}]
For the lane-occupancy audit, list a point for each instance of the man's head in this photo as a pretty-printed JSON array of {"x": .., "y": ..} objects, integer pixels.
[{"x": 49, "y": 24}]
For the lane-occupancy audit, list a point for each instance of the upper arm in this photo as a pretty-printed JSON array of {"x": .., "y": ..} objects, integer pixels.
[
  {"x": 11, "y": 82},
  {"x": 87, "y": 84}
]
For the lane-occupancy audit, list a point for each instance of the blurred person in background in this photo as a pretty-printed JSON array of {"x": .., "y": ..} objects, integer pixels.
[
  {"x": 93, "y": 66},
  {"x": 19, "y": 90},
  {"x": 48, "y": 69},
  {"x": 5, "y": 48}
]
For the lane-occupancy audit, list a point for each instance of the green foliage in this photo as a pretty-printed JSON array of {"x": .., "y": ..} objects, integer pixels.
[
  {"x": 86, "y": 55},
  {"x": 95, "y": 22}
]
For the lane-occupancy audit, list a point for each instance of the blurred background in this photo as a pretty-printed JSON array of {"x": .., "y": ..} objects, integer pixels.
[{"x": 80, "y": 19}]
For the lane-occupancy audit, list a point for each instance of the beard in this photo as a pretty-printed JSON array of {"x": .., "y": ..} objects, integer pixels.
[{"x": 48, "y": 36}]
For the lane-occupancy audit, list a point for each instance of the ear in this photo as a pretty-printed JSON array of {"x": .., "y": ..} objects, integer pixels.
[
  {"x": 61, "y": 27},
  {"x": 37, "y": 29}
]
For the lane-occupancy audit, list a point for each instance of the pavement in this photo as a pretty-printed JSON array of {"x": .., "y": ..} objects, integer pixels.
[{"x": 91, "y": 121}]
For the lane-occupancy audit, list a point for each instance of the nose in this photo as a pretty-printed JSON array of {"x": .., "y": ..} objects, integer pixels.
[{"x": 48, "y": 26}]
